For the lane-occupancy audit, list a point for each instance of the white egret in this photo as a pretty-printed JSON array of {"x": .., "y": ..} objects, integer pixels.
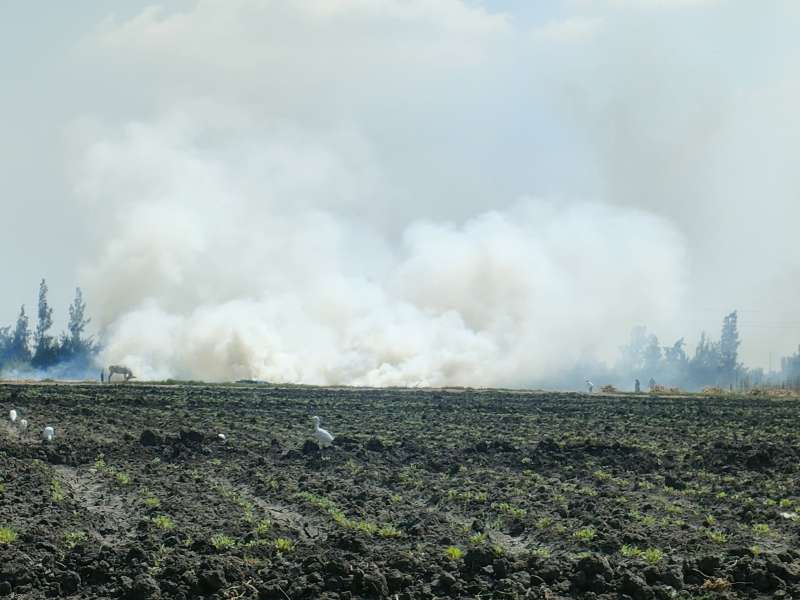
[
  {"x": 589, "y": 386},
  {"x": 324, "y": 437},
  {"x": 48, "y": 434},
  {"x": 12, "y": 415},
  {"x": 23, "y": 424}
]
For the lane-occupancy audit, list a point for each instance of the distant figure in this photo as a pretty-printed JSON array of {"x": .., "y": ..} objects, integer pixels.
[
  {"x": 120, "y": 370},
  {"x": 638, "y": 386},
  {"x": 589, "y": 386},
  {"x": 102, "y": 375},
  {"x": 652, "y": 385}
]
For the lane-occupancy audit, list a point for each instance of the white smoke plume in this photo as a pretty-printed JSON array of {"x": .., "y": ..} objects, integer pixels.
[
  {"x": 431, "y": 191},
  {"x": 250, "y": 258}
]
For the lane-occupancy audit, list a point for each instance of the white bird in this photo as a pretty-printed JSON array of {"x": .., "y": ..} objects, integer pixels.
[
  {"x": 323, "y": 436},
  {"x": 48, "y": 434},
  {"x": 589, "y": 386},
  {"x": 221, "y": 437},
  {"x": 23, "y": 424},
  {"x": 12, "y": 414}
]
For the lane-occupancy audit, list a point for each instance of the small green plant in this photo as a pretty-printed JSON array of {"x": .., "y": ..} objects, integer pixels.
[
  {"x": 2, "y": 488},
  {"x": 785, "y": 503},
  {"x": 395, "y": 498},
  {"x": 284, "y": 545},
  {"x": 498, "y": 550},
  {"x": 541, "y": 552},
  {"x": 718, "y": 537},
  {"x": 57, "y": 491},
  {"x": 73, "y": 538},
  {"x": 601, "y": 475},
  {"x": 163, "y": 522},
  {"x": 263, "y": 527},
  {"x": 7, "y": 536},
  {"x": 630, "y": 551},
  {"x": 653, "y": 555},
  {"x": 453, "y": 553},
  {"x": 152, "y": 502},
  {"x": 711, "y": 520},
  {"x": 122, "y": 478},
  {"x": 222, "y": 542},
  {"x": 755, "y": 550},
  {"x": 477, "y": 539},
  {"x": 761, "y": 529},
  {"x": 389, "y": 531},
  {"x": 585, "y": 534},
  {"x": 543, "y": 522}
]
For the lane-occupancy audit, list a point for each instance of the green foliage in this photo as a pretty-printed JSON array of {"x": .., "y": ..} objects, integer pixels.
[
  {"x": 163, "y": 522},
  {"x": 586, "y": 534},
  {"x": 222, "y": 542},
  {"x": 73, "y": 538},
  {"x": 284, "y": 545},
  {"x": 718, "y": 537},
  {"x": 760, "y": 528},
  {"x": 653, "y": 555},
  {"x": 389, "y": 531},
  {"x": 57, "y": 491},
  {"x": 454, "y": 553},
  {"x": 264, "y": 526},
  {"x": 630, "y": 551},
  {"x": 7, "y": 536},
  {"x": 542, "y": 552},
  {"x": 152, "y": 502},
  {"x": 477, "y": 539}
]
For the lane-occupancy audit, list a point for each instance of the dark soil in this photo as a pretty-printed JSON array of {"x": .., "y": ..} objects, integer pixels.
[{"x": 424, "y": 494}]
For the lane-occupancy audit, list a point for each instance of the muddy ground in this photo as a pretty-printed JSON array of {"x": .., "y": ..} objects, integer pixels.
[{"x": 424, "y": 494}]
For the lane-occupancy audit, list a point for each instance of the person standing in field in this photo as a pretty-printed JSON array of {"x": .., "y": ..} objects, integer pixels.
[{"x": 637, "y": 386}]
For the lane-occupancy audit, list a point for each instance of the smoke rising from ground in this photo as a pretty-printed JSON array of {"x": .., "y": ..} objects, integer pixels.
[
  {"x": 431, "y": 192},
  {"x": 214, "y": 269}
]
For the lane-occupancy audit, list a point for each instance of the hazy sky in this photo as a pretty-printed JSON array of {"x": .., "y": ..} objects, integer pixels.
[{"x": 601, "y": 146}]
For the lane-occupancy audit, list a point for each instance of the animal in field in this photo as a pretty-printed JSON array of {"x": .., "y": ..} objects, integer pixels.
[
  {"x": 120, "y": 370},
  {"x": 324, "y": 437}
]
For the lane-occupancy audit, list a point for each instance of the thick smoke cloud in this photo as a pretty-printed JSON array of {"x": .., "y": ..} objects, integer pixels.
[
  {"x": 389, "y": 192},
  {"x": 215, "y": 268}
]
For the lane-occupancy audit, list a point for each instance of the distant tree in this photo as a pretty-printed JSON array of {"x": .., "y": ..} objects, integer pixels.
[
  {"x": 704, "y": 366},
  {"x": 675, "y": 355},
  {"x": 45, "y": 352},
  {"x": 632, "y": 355},
  {"x": 5, "y": 344},
  {"x": 75, "y": 345},
  {"x": 652, "y": 357},
  {"x": 19, "y": 350},
  {"x": 729, "y": 348}
]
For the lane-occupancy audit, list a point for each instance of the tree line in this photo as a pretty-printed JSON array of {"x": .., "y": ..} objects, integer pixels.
[
  {"x": 23, "y": 349},
  {"x": 714, "y": 362}
]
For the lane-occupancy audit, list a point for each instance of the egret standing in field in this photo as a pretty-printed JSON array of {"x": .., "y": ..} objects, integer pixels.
[
  {"x": 589, "y": 386},
  {"x": 23, "y": 424},
  {"x": 48, "y": 434},
  {"x": 12, "y": 416},
  {"x": 324, "y": 437}
]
